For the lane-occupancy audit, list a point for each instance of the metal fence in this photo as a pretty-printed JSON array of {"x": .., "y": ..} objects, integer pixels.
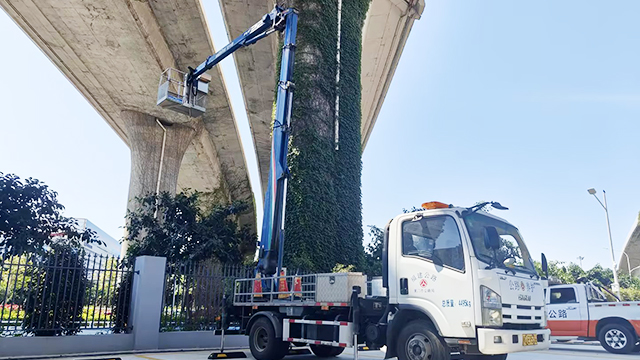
[
  {"x": 64, "y": 292},
  {"x": 194, "y": 292}
]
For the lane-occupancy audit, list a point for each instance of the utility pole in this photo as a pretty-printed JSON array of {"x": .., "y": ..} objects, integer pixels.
[
  {"x": 580, "y": 258},
  {"x": 616, "y": 285}
]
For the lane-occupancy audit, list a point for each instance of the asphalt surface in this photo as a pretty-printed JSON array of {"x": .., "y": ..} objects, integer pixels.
[{"x": 557, "y": 352}]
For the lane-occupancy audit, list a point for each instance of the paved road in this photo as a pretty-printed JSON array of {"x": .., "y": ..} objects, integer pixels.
[{"x": 557, "y": 352}]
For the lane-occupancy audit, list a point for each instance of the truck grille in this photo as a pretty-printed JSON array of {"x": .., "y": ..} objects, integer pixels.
[{"x": 522, "y": 315}]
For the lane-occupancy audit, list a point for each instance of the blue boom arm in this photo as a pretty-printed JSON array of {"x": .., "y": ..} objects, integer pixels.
[{"x": 272, "y": 239}]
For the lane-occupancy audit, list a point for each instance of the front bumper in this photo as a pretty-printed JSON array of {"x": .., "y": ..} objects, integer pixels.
[{"x": 487, "y": 340}]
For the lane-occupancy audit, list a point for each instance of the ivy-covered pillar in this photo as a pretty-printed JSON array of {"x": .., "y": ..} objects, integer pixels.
[
  {"x": 324, "y": 210},
  {"x": 348, "y": 166}
]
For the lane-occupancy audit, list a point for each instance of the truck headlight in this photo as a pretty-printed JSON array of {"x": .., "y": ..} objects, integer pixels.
[{"x": 491, "y": 307}]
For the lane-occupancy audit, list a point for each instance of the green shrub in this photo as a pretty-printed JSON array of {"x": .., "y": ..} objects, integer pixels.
[{"x": 54, "y": 306}]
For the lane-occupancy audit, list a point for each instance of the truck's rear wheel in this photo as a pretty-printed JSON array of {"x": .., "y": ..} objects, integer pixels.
[
  {"x": 264, "y": 344},
  {"x": 419, "y": 341},
  {"x": 617, "y": 338},
  {"x": 323, "y": 351}
]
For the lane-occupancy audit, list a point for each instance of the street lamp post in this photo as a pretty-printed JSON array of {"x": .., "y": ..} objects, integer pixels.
[{"x": 616, "y": 285}]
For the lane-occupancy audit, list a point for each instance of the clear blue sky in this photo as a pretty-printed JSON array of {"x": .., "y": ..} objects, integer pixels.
[{"x": 526, "y": 103}]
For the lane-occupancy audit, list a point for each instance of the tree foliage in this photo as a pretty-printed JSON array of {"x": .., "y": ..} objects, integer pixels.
[
  {"x": 182, "y": 228},
  {"x": 54, "y": 306},
  {"x": 29, "y": 214},
  {"x": 571, "y": 273},
  {"x": 372, "y": 264}
]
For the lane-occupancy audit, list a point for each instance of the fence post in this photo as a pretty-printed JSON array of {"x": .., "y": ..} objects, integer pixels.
[{"x": 146, "y": 301}]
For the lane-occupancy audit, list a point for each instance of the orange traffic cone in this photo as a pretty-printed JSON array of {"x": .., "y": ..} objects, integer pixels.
[
  {"x": 257, "y": 286},
  {"x": 283, "y": 289},
  {"x": 297, "y": 287}
]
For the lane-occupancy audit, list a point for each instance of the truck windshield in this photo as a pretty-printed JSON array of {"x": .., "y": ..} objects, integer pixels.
[{"x": 512, "y": 246}]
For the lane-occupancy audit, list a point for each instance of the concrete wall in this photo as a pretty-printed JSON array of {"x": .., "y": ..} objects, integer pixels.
[{"x": 146, "y": 308}]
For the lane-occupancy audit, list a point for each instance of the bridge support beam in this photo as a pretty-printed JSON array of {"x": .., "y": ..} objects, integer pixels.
[{"x": 157, "y": 149}]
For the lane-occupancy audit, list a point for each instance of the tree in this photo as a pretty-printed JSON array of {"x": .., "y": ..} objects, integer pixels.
[
  {"x": 182, "y": 228},
  {"x": 54, "y": 305},
  {"x": 372, "y": 264},
  {"x": 29, "y": 214},
  {"x": 413, "y": 209}
]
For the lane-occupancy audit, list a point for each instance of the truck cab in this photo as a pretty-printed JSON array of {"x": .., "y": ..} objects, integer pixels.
[{"x": 465, "y": 275}]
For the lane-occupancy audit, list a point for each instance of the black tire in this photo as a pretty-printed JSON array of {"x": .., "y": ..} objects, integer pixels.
[
  {"x": 420, "y": 341},
  {"x": 617, "y": 338},
  {"x": 486, "y": 357},
  {"x": 324, "y": 351},
  {"x": 263, "y": 342}
]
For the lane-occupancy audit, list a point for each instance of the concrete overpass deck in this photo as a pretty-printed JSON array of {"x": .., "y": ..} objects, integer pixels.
[
  {"x": 630, "y": 257},
  {"x": 385, "y": 32},
  {"x": 114, "y": 50}
]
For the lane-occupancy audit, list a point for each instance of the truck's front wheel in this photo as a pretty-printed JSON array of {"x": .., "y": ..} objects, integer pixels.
[
  {"x": 419, "y": 341},
  {"x": 264, "y": 344},
  {"x": 617, "y": 338}
]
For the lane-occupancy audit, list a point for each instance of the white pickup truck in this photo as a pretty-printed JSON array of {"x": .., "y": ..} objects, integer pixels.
[{"x": 581, "y": 311}]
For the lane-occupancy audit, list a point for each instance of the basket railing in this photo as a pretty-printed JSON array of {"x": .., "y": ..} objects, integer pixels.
[{"x": 291, "y": 288}]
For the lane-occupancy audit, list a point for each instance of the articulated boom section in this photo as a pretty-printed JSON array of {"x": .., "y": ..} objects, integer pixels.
[
  {"x": 272, "y": 239},
  {"x": 185, "y": 93}
]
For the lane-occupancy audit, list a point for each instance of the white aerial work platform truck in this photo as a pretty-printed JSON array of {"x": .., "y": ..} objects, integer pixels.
[{"x": 459, "y": 282}]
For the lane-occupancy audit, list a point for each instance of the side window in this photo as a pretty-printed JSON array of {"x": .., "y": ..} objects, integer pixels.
[
  {"x": 563, "y": 296},
  {"x": 434, "y": 238}
]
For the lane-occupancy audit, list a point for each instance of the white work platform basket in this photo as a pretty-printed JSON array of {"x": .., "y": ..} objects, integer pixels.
[{"x": 172, "y": 93}]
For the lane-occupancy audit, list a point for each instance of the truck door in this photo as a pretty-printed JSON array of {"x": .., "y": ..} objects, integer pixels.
[
  {"x": 433, "y": 273},
  {"x": 565, "y": 316}
]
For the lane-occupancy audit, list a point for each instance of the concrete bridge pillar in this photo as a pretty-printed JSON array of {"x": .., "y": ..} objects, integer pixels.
[{"x": 157, "y": 149}]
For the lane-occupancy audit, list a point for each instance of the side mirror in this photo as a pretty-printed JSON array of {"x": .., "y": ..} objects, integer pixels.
[
  {"x": 491, "y": 238},
  {"x": 545, "y": 267}
]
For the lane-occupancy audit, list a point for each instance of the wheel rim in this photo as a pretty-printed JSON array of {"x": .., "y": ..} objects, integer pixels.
[
  {"x": 418, "y": 347},
  {"x": 616, "y": 339},
  {"x": 260, "y": 339}
]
